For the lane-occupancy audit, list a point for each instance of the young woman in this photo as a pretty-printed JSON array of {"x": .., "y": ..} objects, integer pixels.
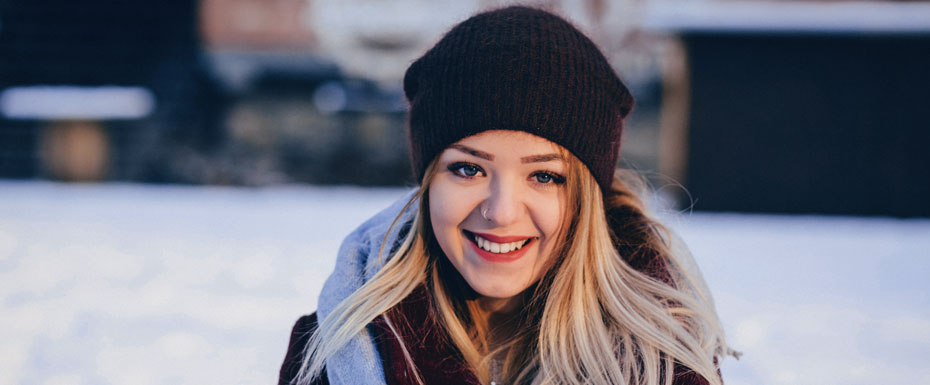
[{"x": 521, "y": 258}]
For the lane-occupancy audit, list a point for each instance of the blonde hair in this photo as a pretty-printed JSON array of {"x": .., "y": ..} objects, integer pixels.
[{"x": 592, "y": 318}]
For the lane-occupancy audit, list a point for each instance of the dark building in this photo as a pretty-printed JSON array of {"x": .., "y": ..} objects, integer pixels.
[
  {"x": 140, "y": 46},
  {"x": 789, "y": 114}
]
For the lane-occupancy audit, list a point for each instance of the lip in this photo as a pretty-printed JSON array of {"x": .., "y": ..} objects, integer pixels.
[{"x": 500, "y": 257}]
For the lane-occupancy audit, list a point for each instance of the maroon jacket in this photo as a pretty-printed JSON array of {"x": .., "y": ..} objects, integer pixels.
[{"x": 437, "y": 360}]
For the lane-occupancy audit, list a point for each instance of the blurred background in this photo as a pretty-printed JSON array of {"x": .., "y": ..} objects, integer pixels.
[{"x": 175, "y": 177}]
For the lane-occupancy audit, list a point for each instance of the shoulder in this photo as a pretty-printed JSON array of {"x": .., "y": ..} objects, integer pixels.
[{"x": 300, "y": 334}]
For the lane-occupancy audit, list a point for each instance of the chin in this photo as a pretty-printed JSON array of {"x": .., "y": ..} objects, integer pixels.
[
  {"x": 498, "y": 289},
  {"x": 498, "y": 281},
  {"x": 499, "y": 293}
]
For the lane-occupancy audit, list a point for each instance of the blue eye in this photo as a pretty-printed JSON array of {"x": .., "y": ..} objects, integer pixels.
[
  {"x": 548, "y": 177},
  {"x": 466, "y": 170},
  {"x": 469, "y": 170}
]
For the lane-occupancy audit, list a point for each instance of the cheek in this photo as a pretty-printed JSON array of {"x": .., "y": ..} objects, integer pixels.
[
  {"x": 448, "y": 208},
  {"x": 548, "y": 219}
]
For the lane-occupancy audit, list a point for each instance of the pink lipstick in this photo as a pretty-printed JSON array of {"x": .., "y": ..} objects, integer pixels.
[{"x": 499, "y": 257}]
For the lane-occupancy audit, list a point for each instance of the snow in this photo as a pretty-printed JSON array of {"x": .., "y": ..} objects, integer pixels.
[
  {"x": 138, "y": 284},
  {"x": 818, "y": 300}
]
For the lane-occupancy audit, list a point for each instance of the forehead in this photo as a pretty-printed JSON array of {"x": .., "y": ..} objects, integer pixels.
[{"x": 508, "y": 144}]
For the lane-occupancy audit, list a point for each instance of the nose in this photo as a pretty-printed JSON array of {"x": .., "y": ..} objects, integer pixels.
[{"x": 504, "y": 205}]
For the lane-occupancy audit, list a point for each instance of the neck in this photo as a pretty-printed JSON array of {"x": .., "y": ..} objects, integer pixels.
[
  {"x": 502, "y": 318},
  {"x": 499, "y": 307}
]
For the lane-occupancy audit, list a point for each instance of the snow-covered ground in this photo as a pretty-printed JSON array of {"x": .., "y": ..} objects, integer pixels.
[{"x": 130, "y": 284}]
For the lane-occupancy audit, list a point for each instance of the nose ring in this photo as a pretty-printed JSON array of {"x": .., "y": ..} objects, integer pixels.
[{"x": 484, "y": 214}]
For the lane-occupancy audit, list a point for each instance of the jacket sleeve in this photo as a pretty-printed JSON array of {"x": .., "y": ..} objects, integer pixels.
[{"x": 300, "y": 334}]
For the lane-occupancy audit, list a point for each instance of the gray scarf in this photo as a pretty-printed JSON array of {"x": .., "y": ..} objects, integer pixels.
[{"x": 358, "y": 362}]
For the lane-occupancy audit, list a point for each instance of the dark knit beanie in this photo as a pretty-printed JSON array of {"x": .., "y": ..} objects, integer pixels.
[{"x": 521, "y": 69}]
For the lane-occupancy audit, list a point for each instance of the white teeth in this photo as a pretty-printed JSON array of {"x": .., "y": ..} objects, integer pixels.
[{"x": 499, "y": 248}]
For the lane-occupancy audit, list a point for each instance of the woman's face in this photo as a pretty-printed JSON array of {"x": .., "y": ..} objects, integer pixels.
[{"x": 496, "y": 205}]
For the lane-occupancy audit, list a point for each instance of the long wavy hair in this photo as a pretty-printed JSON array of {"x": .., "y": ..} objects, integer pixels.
[{"x": 619, "y": 303}]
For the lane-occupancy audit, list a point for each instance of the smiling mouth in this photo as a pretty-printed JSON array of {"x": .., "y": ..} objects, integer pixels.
[{"x": 496, "y": 247}]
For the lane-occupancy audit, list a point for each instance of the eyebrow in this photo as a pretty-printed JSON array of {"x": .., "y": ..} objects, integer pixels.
[
  {"x": 540, "y": 158},
  {"x": 473, "y": 152},
  {"x": 525, "y": 159}
]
